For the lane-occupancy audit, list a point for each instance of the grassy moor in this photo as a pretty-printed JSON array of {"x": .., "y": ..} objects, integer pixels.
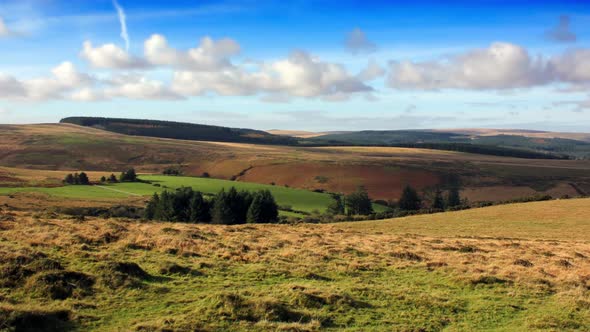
[{"x": 294, "y": 166}]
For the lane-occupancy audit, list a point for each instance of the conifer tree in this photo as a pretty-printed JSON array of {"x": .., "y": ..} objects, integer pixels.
[
  {"x": 337, "y": 205},
  {"x": 410, "y": 201},
  {"x": 438, "y": 203},
  {"x": 454, "y": 197}
]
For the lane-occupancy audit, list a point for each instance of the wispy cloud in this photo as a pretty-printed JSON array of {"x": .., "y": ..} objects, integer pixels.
[{"x": 123, "y": 22}]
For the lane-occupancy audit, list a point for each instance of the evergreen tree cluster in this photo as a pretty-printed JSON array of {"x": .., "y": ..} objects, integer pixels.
[
  {"x": 111, "y": 179},
  {"x": 77, "y": 179},
  {"x": 411, "y": 200},
  {"x": 227, "y": 207},
  {"x": 128, "y": 176},
  {"x": 356, "y": 203},
  {"x": 172, "y": 171}
]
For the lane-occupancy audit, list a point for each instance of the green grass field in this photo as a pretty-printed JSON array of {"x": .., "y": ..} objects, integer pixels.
[
  {"x": 365, "y": 276},
  {"x": 299, "y": 200}
]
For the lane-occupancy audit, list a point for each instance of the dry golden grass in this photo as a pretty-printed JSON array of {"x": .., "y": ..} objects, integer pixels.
[
  {"x": 552, "y": 237},
  {"x": 459, "y": 269},
  {"x": 35, "y": 177},
  {"x": 559, "y": 220}
]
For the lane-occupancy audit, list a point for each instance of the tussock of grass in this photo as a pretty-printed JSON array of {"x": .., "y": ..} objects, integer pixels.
[
  {"x": 60, "y": 285},
  {"x": 123, "y": 274}
]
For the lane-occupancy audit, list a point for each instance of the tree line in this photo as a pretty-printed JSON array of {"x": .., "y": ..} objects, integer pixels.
[
  {"x": 77, "y": 179},
  {"x": 180, "y": 130},
  {"x": 359, "y": 203},
  {"x": 82, "y": 178},
  {"x": 229, "y": 207}
]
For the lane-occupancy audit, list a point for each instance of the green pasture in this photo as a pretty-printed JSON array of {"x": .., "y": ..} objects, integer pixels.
[{"x": 297, "y": 199}]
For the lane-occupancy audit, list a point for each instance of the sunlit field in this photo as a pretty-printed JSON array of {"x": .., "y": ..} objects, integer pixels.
[{"x": 507, "y": 268}]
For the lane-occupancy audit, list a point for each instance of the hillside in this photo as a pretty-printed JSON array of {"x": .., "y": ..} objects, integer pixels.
[
  {"x": 383, "y": 170},
  {"x": 179, "y": 130},
  {"x": 515, "y": 267},
  {"x": 585, "y": 137},
  {"x": 500, "y": 143}
]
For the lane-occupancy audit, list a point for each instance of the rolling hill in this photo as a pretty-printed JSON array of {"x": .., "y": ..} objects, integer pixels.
[
  {"x": 520, "y": 267},
  {"x": 383, "y": 170},
  {"x": 502, "y": 143},
  {"x": 179, "y": 130}
]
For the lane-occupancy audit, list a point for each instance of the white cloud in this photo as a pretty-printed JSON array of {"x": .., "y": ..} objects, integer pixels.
[
  {"x": 87, "y": 95},
  {"x": 65, "y": 78},
  {"x": 10, "y": 87},
  {"x": 210, "y": 55},
  {"x": 561, "y": 32},
  {"x": 573, "y": 66},
  {"x": 123, "y": 23},
  {"x": 500, "y": 66},
  {"x": 371, "y": 72},
  {"x": 299, "y": 75},
  {"x": 357, "y": 42},
  {"x": 110, "y": 56},
  {"x": 305, "y": 76},
  {"x": 140, "y": 88},
  {"x": 67, "y": 75}
]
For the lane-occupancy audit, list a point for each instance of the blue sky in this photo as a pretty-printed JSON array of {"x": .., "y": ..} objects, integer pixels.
[{"x": 308, "y": 65}]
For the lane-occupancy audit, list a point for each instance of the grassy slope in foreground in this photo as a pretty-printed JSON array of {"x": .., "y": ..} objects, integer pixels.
[
  {"x": 557, "y": 220},
  {"x": 305, "y": 277},
  {"x": 300, "y": 200}
]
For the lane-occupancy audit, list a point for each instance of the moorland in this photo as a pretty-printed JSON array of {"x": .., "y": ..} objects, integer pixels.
[{"x": 85, "y": 257}]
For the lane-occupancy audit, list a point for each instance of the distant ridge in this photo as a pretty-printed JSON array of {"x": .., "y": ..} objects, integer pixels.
[{"x": 180, "y": 130}]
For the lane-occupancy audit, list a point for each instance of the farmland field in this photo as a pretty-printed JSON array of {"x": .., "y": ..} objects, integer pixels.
[
  {"x": 510, "y": 268},
  {"x": 383, "y": 170},
  {"x": 300, "y": 200}
]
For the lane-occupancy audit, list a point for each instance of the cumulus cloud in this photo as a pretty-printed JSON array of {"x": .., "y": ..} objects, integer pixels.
[
  {"x": 65, "y": 78},
  {"x": 10, "y": 87},
  {"x": 572, "y": 66},
  {"x": 209, "y": 55},
  {"x": 357, "y": 42},
  {"x": 372, "y": 71},
  {"x": 110, "y": 56},
  {"x": 299, "y": 75},
  {"x": 123, "y": 23},
  {"x": 561, "y": 32},
  {"x": 500, "y": 66},
  {"x": 139, "y": 87},
  {"x": 88, "y": 95}
]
